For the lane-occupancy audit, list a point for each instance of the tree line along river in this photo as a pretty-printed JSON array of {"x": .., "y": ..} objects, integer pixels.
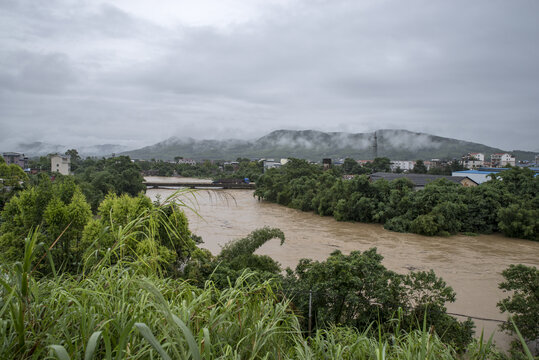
[{"x": 472, "y": 265}]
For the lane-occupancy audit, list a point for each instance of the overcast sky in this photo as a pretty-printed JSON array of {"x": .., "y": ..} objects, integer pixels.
[{"x": 136, "y": 72}]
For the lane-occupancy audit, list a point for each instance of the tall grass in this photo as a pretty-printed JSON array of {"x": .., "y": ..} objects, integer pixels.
[{"x": 119, "y": 312}]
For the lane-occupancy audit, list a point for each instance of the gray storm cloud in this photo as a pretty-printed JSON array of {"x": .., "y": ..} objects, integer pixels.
[{"x": 87, "y": 73}]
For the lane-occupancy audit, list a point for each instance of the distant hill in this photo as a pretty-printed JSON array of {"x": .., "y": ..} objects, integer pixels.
[
  {"x": 315, "y": 145},
  {"x": 40, "y": 149}
]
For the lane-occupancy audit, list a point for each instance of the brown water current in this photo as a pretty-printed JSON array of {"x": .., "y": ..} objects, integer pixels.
[{"x": 472, "y": 265}]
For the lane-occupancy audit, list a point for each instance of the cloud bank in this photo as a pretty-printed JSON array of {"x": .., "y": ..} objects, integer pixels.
[{"x": 89, "y": 72}]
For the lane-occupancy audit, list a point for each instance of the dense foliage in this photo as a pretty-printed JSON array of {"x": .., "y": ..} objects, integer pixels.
[
  {"x": 241, "y": 168},
  {"x": 508, "y": 203},
  {"x": 12, "y": 178},
  {"x": 235, "y": 257},
  {"x": 118, "y": 312},
  {"x": 75, "y": 239},
  {"x": 129, "y": 281},
  {"x": 356, "y": 290},
  {"x": 57, "y": 208},
  {"x": 159, "y": 237},
  {"x": 98, "y": 177},
  {"x": 523, "y": 304}
]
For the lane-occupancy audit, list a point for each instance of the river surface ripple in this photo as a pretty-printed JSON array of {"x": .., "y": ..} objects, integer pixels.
[{"x": 472, "y": 265}]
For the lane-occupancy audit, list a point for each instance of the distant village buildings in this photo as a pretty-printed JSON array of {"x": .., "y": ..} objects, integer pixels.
[
  {"x": 404, "y": 165},
  {"x": 502, "y": 159},
  {"x": 61, "y": 164},
  {"x": 187, "y": 161},
  {"x": 326, "y": 163},
  {"x": 271, "y": 164},
  {"x": 16, "y": 158},
  {"x": 364, "y": 162},
  {"x": 420, "y": 180},
  {"x": 473, "y": 160}
]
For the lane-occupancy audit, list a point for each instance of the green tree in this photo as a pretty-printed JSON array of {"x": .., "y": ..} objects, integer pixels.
[
  {"x": 419, "y": 167},
  {"x": 235, "y": 257},
  {"x": 349, "y": 166},
  {"x": 380, "y": 164},
  {"x": 520, "y": 220},
  {"x": 155, "y": 234},
  {"x": 356, "y": 290},
  {"x": 118, "y": 175},
  {"x": 74, "y": 158},
  {"x": 56, "y": 208},
  {"x": 523, "y": 305},
  {"x": 12, "y": 178}
]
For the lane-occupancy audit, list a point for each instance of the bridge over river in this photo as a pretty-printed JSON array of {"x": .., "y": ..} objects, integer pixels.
[{"x": 180, "y": 183}]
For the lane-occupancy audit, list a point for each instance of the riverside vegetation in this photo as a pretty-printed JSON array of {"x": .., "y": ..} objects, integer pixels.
[
  {"x": 508, "y": 203},
  {"x": 128, "y": 281}
]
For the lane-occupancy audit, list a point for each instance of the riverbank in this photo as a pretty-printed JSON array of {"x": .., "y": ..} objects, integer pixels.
[{"x": 471, "y": 265}]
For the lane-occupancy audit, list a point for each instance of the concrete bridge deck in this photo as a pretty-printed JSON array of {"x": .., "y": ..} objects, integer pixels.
[{"x": 194, "y": 185}]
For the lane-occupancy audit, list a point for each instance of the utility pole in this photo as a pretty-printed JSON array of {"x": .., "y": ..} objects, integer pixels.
[{"x": 375, "y": 145}]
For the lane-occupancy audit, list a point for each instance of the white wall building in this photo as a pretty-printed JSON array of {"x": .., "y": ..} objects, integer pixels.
[
  {"x": 61, "y": 164},
  {"x": 502, "y": 159},
  {"x": 271, "y": 164},
  {"x": 187, "y": 161},
  {"x": 473, "y": 160},
  {"x": 404, "y": 165}
]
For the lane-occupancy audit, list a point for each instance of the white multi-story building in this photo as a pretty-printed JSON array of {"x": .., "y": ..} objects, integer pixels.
[
  {"x": 61, "y": 164},
  {"x": 271, "y": 164},
  {"x": 187, "y": 161},
  {"x": 404, "y": 165},
  {"x": 502, "y": 159},
  {"x": 473, "y": 160}
]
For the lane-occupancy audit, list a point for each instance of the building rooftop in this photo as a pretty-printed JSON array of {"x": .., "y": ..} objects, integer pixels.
[
  {"x": 484, "y": 171},
  {"x": 417, "y": 179}
]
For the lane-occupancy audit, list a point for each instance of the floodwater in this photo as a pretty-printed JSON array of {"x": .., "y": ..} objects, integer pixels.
[{"x": 471, "y": 265}]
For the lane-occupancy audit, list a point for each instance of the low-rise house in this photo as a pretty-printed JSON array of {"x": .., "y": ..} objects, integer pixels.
[
  {"x": 502, "y": 159},
  {"x": 16, "y": 158},
  {"x": 420, "y": 180},
  {"x": 326, "y": 163},
  {"x": 484, "y": 174},
  {"x": 187, "y": 161},
  {"x": 271, "y": 164},
  {"x": 473, "y": 160},
  {"x": 61, "y": 164},
  {"x": 429, "y": 164},
  {"x": 231, "y": 165},
  {"x": 404, "y": 165},
  {"x": 364, "y": 162}
]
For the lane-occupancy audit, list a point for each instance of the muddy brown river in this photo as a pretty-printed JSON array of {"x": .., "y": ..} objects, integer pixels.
[{"x": 471, "y": 265}]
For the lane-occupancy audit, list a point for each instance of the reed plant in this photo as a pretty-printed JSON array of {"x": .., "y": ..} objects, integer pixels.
[{"x": 117, "y": 311}]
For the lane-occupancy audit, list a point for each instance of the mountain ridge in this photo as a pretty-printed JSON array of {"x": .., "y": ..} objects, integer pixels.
[
  {"x": 38, "y": 148},
  {"x": 397, "y": 144}
]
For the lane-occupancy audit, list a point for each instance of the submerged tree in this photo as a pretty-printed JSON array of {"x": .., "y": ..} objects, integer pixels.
[{"x": 235, "y": 257}]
